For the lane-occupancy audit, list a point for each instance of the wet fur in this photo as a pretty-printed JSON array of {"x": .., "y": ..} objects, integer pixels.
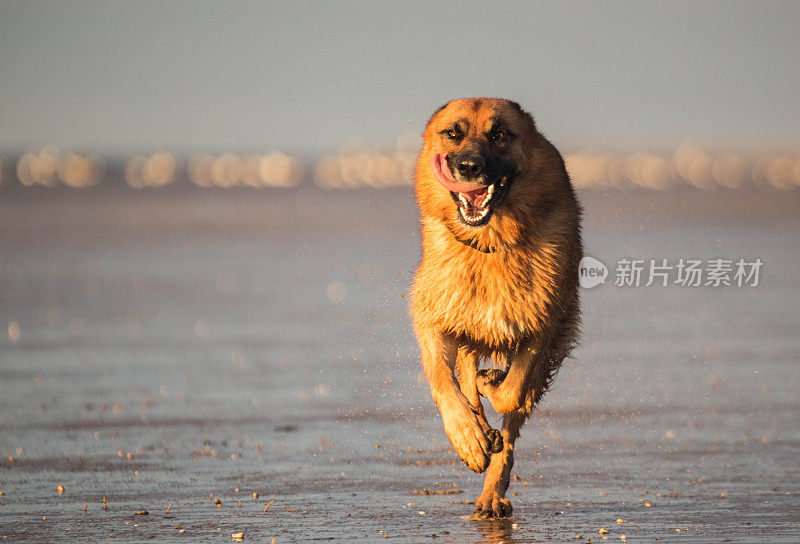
[{"x": 506, "y": 291}]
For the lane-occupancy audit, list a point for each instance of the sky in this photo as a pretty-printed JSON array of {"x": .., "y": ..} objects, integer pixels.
[{"x": 310, "y": 77}]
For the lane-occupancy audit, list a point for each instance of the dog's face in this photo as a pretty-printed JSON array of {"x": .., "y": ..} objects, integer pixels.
[{"x": 476, "y": 149}]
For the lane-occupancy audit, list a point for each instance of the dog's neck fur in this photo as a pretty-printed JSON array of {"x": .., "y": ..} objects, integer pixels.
[
  {"x": 473, "y": 243},
  {"x": 506, "y": 229}
]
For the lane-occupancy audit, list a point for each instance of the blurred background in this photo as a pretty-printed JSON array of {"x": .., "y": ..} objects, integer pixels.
[
  {"x": 208, "y": 232},
  {"x": 275, "y": 94}
]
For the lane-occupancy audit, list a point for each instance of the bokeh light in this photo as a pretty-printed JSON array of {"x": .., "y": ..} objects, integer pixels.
[
  {"x": 274, "y": 169},
  {"x": 649, "y": 171},
  {"x": 49, "y": 167},
  {"x": 199, "y": 170},
  {"x": 356, "y": 165},
  {"x": 589, "y": 170},
  {"x": 156, "y": 170},
  {"x": 694, "y": 166},
  {"x": 365, "y": 168},
  {"x": 80, "y": 171},
  {"x": 226, "y": 170},
  {"x": 730, "y": 171},
  {"x": 778, "y": 172}
]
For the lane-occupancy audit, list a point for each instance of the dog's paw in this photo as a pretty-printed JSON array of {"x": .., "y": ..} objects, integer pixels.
[
  {"x": 496, "y": 439},
  {"x": 468, "y": 438},
  {"x": 492, "y": 506},
  {"x": 487, "y": 379}
]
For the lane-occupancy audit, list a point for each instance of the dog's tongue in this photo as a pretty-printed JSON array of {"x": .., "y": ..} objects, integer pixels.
[{"x": 472, "y": 191}]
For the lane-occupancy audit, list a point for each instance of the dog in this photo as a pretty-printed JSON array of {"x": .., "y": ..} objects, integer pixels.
[{"x": 498, "y": 279}]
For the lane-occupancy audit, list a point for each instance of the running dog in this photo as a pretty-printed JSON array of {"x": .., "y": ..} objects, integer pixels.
[{"x": 498, "y": 280}]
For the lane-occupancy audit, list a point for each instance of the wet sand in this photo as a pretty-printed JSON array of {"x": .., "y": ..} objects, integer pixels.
[{"x": 174, "y": 345}]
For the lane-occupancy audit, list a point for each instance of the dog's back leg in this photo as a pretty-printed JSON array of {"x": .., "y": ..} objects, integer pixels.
[{"x": 507, "y": 389}]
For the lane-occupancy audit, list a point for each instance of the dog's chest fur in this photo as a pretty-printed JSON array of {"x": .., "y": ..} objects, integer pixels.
[{"x": 496, "y": 299}]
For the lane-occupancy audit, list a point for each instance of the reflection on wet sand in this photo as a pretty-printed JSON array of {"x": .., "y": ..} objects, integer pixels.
[{"x": 495, "y": 531}]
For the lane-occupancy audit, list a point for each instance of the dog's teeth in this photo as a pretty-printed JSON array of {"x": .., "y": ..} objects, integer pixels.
[
  {"x": 463, "y": 200},
  {"x": 488, "y": 196}
]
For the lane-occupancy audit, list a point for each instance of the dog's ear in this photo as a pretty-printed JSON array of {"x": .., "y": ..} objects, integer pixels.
[
  {"x": 516, "y": 106},
  {"x": 528, "y": 117},
  {"x": 443, "y": 106}
]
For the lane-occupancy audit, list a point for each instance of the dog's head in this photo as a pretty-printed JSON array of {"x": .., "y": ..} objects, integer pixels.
[{"x": 475, "y": 150}]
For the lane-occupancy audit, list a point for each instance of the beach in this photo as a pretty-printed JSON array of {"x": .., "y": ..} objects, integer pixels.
[{"x": 170, "y": 348}]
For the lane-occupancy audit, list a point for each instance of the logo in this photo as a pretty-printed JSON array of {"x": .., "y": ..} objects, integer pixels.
[{"x": 591, "y": 272}]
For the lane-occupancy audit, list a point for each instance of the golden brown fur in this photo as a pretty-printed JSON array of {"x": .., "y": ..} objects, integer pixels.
[{"x": 506, "y": 291}]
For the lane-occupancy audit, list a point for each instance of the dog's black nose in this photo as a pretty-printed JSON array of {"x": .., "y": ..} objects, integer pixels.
[{"x": 470, "y": 166}]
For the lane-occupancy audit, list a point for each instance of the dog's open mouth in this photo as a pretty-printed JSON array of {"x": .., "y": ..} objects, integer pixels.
[
  {"x": 475, "y": 207},
  {"x": 475, "y": 201}
]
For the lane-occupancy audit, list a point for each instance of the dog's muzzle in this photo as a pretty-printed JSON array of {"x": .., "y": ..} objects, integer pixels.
[{"x": 474, "y": 200}]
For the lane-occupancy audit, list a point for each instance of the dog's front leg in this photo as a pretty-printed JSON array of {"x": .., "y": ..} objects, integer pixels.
[
  {"x": 492, "y": 503},
  {"x": 461, "y": 420},
  {"x": 467, "y": 367}
]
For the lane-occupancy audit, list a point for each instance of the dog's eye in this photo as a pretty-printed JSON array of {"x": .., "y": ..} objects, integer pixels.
[
  {"x": 499, "y": 136},
  {"x": 451, "y": 133}
]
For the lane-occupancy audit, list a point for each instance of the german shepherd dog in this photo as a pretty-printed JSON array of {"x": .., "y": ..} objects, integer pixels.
[{"x": 498, "y": 278}]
